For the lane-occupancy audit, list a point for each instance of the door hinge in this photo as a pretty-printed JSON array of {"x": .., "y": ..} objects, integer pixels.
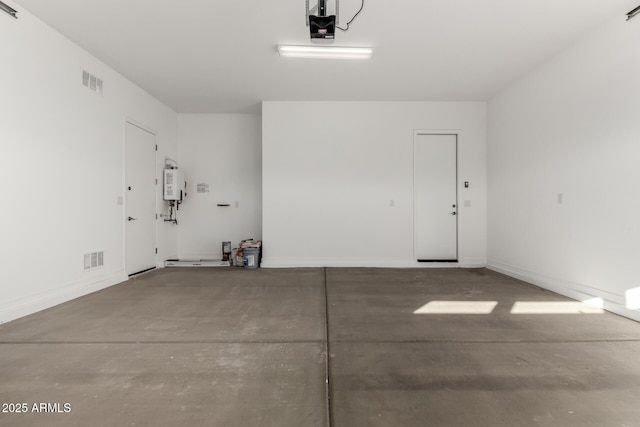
[
  {"x": 156, "y": 181},
  {"x": 156, "y": 216},
  {"x": 156, "y": 250},
  {"x": 156, "y": 147}
]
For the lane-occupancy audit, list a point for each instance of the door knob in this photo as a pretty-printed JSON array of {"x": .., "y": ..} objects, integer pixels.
[
  {"x": 132, "y": 218},
  {"x": 453, "y": 213}
]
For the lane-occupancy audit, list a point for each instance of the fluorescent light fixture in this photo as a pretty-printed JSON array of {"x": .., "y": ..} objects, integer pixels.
[
  {"x": 325, "y": 52},
  {"x": 633, "y": 13},
  {"x": 11, "y": 11}
]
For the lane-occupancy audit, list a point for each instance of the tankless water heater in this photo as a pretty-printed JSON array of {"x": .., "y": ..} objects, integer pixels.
[{"x": 172, "y": 185}]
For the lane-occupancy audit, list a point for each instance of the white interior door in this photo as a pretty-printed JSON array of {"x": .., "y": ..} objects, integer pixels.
[
  {"x": 140, "y": 199},
  {"x": 435, "y": 198}
]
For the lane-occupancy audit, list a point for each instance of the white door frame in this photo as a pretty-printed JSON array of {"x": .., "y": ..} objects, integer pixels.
[
  {"x": 150, "y": 130},
  {"x": 458, "y": 134}
]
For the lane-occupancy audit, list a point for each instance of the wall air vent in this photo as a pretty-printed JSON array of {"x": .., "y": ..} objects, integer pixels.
[
  {"x": 91, "y": 82},
  {"x": 93, "y": 260}
]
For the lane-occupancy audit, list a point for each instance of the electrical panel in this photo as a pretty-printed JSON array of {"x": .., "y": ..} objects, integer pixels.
[{"x": 172, "y": 185}]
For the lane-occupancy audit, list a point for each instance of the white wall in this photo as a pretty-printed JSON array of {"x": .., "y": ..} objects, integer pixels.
[
  {"x": 62, "y": 150},
  {"x": 571, "y": 127},
  {"x": 223, "y": 151},
  {"x": 330, "y": 170}
]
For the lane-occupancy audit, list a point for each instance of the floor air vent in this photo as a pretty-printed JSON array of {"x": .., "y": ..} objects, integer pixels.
[
  {"x": 93, "y": 260},
  {"x": 91, "y": 82}
]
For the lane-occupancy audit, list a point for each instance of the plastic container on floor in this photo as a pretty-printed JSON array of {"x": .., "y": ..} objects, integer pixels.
[{"x": 251, "y": 257}]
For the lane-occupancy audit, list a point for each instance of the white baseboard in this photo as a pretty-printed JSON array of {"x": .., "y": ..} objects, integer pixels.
[
  {"x": 470, "y": 262},
  {"x": 196, "y": 256},
  {"x": 611, "y": 302},
  {"x": 271, "y": 262},
  {"x": 33, "y": 303}
]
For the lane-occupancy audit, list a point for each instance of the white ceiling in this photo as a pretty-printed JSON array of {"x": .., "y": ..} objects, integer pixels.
[{"x": 213, "y": 56}]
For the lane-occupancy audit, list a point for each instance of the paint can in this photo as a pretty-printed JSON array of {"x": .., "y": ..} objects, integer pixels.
[{"x": 251, "y": 257}]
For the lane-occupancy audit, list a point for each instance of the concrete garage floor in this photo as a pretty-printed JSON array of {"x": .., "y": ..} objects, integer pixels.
[{"x": 236, "y": 347}]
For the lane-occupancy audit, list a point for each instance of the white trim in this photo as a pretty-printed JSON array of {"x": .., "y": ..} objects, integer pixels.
[
  {"x": 141, "y": 125},
  {"x": 158, "y": 187},
  {"x": 195, "y": 256},
  {"x": 611, "y": 302},
  {"x": 30, "y": 304},
  {"x": 458, "y": 134},
  {"x": 296, "y": 262},
  {"x": 471, "y": 262}
]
